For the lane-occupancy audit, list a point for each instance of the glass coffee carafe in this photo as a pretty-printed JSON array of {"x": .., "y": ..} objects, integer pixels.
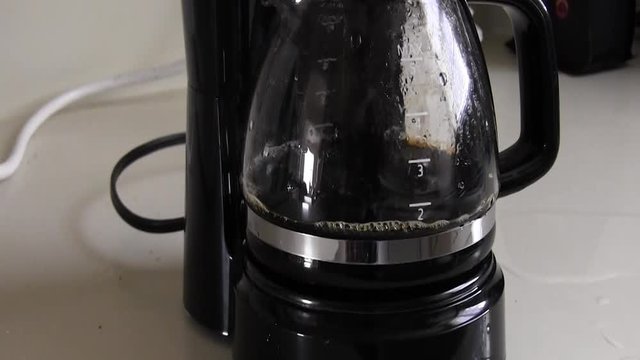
[
  {"x": 365, "y": 124},
  {"x": 374, "y": 120}
]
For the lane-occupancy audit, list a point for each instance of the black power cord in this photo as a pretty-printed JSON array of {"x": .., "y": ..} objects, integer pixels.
[{"x": 157, "y": 226}]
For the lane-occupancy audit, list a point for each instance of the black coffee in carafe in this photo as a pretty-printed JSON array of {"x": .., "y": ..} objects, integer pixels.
[{"x": 368, "y": 198}]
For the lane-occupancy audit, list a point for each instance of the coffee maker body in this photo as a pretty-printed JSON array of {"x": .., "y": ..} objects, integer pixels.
[{"x": 358, "y": 221}]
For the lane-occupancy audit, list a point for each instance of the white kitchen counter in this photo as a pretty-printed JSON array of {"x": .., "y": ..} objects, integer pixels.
[{"x": 76, "y": 282}]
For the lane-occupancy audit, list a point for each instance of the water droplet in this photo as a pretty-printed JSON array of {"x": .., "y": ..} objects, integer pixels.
[
  {"x": 461, "y": 185},
  {"x": 443, "y": 79},
  {"x": 488, "y": 328}
]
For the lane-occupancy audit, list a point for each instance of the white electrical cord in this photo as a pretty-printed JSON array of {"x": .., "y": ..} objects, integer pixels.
[{"x": 9, "y": 166}]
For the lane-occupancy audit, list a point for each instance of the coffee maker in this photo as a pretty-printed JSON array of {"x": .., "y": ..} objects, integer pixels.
[{"x": 342, "y": 171}]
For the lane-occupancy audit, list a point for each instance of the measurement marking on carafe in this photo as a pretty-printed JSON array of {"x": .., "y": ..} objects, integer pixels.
[
  {"x": 424, "y": 113},
  {"x": 419, "y": 161},
  {"x": 415, "y": 205},
  {"x": 411, "y": 59}
]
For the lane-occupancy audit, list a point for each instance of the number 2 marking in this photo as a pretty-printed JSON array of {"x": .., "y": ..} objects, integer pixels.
[{"x": 420, "y": 206}]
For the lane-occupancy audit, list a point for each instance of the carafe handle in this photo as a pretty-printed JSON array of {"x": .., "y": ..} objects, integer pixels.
[{"x": 536, "y": 149}]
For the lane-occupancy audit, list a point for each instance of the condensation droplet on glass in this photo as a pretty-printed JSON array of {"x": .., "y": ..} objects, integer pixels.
[
  {"x": 461, "y": 185},
  {"x": 443, "y": 79},
  {"x": 356, "y": 41}
]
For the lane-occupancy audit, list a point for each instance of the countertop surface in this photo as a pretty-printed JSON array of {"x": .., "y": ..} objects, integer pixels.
[{"x": 78, "y": 283}]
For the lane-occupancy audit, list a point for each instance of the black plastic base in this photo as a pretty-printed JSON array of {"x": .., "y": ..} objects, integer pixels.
[{"x": 462, "y": 323}]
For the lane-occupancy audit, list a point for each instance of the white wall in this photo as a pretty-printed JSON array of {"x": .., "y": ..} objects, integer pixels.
[{"x": 47, "y": 46}]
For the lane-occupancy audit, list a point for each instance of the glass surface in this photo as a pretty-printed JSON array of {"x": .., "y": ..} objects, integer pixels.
[{"x": 371, "y": 118}]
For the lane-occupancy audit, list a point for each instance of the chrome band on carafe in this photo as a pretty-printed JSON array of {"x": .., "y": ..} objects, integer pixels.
[{"x": 371, "y": 252}]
